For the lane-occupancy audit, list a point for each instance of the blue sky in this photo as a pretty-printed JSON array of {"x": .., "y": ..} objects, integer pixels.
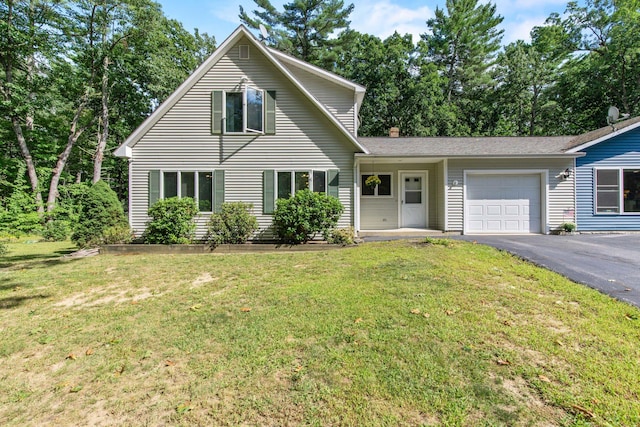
[{"x": 379, "y": 17}]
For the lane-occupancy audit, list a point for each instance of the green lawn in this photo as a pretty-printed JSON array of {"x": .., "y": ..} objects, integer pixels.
[{"x": 394, "y": 333}]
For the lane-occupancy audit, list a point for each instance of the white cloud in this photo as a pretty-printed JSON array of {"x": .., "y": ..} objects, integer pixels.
[
  {"x": 383, "y": 18},
  {"x": 520, "y": 28}
]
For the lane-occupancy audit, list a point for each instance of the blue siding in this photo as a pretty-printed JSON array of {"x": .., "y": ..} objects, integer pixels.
[{"x": 622, "y": 151}]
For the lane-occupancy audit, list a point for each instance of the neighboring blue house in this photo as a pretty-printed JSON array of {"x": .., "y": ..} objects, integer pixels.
[{"x": 608, "y": 177}]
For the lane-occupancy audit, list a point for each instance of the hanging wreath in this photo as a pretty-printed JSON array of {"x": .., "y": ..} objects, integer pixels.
[{"x": 372, "y": 181}]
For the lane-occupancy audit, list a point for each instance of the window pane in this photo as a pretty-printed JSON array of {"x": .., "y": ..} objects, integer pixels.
[
  {"x": 384, "y": 188},
  {"x": 284, "y": 185},
  {"x": 607, "y": 191},
  {"x": 366, "y": 189},
  {"x": 234, "y": 112},
  {"x": 631, "y": 180},
  {"x": 187, "y": 184},
  {"x": 170, "y": 184},
  {"x": 205, "y": 186},
  {"x": 254, "y": 109},
  {"x": 302, "y": 180},
  {"x": 413, "y": 197},
  {"x": 319, "y": 182}
]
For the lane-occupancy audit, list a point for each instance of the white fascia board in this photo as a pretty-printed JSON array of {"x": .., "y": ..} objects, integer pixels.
[{"x": 603, "y": 138}]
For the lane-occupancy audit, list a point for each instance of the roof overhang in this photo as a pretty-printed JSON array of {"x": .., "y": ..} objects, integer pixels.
[
  {"x": 436, "y": 158},
  {"x": 238, "y": 34},
  {"x": 604, "y": 138}
]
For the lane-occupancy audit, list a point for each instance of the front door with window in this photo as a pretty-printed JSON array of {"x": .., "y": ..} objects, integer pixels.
[{"x": 413, "y": 203}]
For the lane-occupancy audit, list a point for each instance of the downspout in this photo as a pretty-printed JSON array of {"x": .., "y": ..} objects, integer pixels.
[
  {"x": 445, "y": 172},
  {"x": 129, "y": 196}
]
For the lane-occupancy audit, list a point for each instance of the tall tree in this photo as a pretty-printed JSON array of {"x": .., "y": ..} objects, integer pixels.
[
  {"x": 28, "y": 40},
  {"x": 463, "y": 42},
  {"x": 306, "y": 29},
  {"x": 402, "y": 90}
]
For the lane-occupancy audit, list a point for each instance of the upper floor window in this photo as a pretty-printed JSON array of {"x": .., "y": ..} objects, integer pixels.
[{"x": 249, "y": 110}]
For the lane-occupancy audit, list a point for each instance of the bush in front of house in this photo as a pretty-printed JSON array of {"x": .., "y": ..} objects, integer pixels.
[
  {"x": 100, "y": 210},
  {"x": 172, "y": 221},
  {"x": 300, "y": 218},
  {"x": 341, "y": 236},
  {"x": 234, "y": 224}
]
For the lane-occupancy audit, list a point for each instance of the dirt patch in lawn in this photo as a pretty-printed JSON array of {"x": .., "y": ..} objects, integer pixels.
[{"x": 109, "y": 295}]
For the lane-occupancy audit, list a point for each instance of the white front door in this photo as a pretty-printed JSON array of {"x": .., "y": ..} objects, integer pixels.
[{"x": 413, "y": 199}]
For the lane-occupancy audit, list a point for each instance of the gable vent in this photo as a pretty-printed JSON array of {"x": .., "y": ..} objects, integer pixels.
[{"x": 244, "y": 51}]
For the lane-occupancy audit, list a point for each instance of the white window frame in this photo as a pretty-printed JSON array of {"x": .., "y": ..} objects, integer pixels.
[
  {"x": 621, "y": 210},
  {"x": 293, "y": 177},
  {"x": 196, "y": 189},
  {"x": 245, "y": 128},
  {"x": 375, "y": 191}
]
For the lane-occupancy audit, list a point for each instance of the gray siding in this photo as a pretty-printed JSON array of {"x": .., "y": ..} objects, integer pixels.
[
  {"x": 618, "y": 152},
  {"x": 560, "y": 197},
  {"x": 182, "y": 140},
  {"x": 337, "y": 99},
  {"x": 381, "y": 213}
]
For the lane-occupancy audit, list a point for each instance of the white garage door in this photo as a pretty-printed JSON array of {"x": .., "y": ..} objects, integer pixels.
[{"x": 502, "y": 204}]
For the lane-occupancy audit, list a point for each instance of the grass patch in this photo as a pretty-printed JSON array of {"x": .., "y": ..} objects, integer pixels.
[{"x": 392, "y": 333}]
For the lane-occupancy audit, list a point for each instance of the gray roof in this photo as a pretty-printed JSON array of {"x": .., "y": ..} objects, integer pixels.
[
  {"x": 599, "y": 133},
  {"x": 467, "y": 146}
]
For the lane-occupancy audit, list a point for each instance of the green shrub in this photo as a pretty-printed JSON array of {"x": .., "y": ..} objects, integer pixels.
[
  {"x": 233, "y": 224},
  {"x": 569, "y": 227},
  {"x": 57, "y": 230},
  {"x": 301, "y": 217},
  {"x": 100, "y": 210},
  {"x": 120, "y": 233},
  {"x": 172, "y": 221},
  {"x": 341, "y": 236}
]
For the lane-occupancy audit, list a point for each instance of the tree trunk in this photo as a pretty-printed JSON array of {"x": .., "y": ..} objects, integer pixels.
[
  {"x": 31, "y": 168},
  {"x": 102, "y": 136},
  {"x": 74, "y": 135}
]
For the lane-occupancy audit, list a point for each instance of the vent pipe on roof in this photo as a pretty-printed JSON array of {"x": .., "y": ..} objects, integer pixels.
[{"x": 394, "y": 132}]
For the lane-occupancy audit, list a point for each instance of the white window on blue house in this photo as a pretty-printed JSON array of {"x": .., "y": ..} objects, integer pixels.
[{"x": 617, "y": 191}]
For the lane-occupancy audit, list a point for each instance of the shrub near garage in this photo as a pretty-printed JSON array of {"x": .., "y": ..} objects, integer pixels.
[
  {"x": 233, "y": 224},
  {"x": 172, "y": 221},
  {"x": 300, "y": 218}
]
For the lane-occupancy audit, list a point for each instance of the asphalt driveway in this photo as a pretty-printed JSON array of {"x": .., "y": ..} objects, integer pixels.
[{"x": 609, "y": 263}]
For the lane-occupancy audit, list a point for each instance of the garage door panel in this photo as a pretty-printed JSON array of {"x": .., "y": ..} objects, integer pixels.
[{"x": 503, "y": 204}]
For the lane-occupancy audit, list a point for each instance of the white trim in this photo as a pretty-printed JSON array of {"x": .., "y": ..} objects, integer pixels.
[
  {"x": 575, "y": 193},
  {"x": 239, "y": 32},
  {"x": 425, "y": 192},
  {"x": 603, "y": 138},
  {"x": 544, "y": 197},
  {"x": 356, "y": 193},
  {"x": 446, "y": 193},
  {"x": 375, "y": 195},
  {"x": 130, "y": 196}
]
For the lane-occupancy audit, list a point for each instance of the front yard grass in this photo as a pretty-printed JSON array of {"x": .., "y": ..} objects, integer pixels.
[{"x": 392, "y": 333}]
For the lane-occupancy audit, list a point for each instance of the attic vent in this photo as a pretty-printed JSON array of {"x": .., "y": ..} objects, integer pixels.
[{"x": 244, "y": 51}]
